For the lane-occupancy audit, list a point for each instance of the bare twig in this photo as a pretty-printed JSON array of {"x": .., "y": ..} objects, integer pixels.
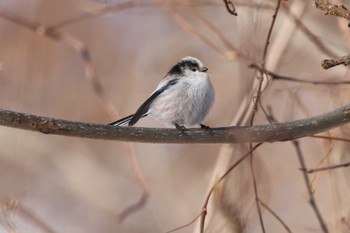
[
  {"x": 292, "y": 79},
  {"x": 276, "y": 216},
  {"x": 252, "y": 171},
  {"x": 185, "y": 225},
  {"x": 204, "y": 207},
  {"x": 329, "y": 63},
  {"x": 255, "y": 108},
  {"x": 309, "y": 170},
  {"x": 308, "y": 186},
  {"x": 259, "y": 90},
  {"x": 230, "y": 7},
  {"x": 332, "y": 9},
  {"x": 331, "y": 138},
  {"x": 134, "y": 207},
  {"x": 274, "y": 16}
]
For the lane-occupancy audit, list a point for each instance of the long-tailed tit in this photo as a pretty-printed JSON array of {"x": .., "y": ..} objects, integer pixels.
[{"x": 182, "y": 98}]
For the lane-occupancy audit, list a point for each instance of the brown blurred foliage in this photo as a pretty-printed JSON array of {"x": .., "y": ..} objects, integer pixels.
[{"x": 59, "y": 184}]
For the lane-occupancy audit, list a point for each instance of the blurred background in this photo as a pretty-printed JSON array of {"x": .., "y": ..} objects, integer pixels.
[{"x": 96, "y": 61}]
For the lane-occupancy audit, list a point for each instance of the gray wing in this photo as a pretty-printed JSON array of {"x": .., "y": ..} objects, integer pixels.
[{"x": 142, "y": 111}]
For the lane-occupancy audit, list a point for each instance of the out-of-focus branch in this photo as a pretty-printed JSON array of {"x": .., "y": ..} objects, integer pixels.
[
  {"x": 292, "y": 79},
  {"x": 258, "y": 133},
  {"x": 11, "y": 206},
  {"x": 91, "y": 76},
  {"x": 183, "y": 22},
  {"x": 308, "y": 33},
  {"x": 329, "y": 63},
  {"x": 77, "y": 45}
]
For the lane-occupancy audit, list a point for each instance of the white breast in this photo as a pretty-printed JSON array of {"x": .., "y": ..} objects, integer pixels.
[{"x": 186, "y": 103}]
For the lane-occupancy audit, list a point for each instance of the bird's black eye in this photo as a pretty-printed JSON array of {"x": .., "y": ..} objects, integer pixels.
[{"x": 194, "y": 69}]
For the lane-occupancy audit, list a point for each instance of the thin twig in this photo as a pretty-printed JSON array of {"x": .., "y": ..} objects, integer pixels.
[
  {"x": 255, "y": 108},
  {"x": 252, "y": 171},
  {"x": 274, "y": 16},
  {"x": 310, "y": 170},
  {"x": 279, "y": 219},
  {"x": 277, "y": 77},
  {"x": 205, "y": 205},
  {"x": 264, "y": 60},
  {"x": 134, "y": 207},
  {"x": 267, "y": 115},
  {"x": 308, "y": 186},
  {"x": 331, "y": 138},
  {"x": 185, "y": 225},
  {"x": 230, "y": 7}
]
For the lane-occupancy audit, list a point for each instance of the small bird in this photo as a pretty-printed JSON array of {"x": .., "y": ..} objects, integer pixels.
[{"x": 182, "y": 98}]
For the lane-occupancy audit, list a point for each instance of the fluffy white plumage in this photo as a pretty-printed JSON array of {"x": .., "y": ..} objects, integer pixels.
[{"x": 183, "y": 97}]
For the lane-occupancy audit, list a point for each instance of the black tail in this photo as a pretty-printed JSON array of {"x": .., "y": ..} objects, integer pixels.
[
  {"x": 125, "y": 121},
  {"x": 122, "y": 122}
]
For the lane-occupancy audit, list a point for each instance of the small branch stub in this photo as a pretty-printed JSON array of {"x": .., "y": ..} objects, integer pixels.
[
  {"x": 329, "y": 63},
  {"x": 230, "y": 7}
]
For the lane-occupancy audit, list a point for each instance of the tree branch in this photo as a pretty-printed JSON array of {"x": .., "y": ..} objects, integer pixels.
[
  {"x": 329, "y": 63},
  {"x": 258, "y": 133}
]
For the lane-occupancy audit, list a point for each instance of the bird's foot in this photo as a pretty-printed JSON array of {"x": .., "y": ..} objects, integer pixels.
[
  {"x": 182, "y": 128},
  {"x": 206, "y": 128}
]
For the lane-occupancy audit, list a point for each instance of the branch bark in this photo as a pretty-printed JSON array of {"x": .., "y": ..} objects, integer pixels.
[{"x": 234, "y": 134}]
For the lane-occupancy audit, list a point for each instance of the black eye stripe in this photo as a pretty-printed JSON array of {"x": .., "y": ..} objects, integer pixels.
[
  {"x": 189, "y": 64},
  {"x": 181, "y": 66}
]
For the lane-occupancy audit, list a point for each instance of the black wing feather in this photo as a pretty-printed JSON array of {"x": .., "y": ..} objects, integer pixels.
[
  {"x": 143, "y": 109},
  {"x": 122, "y": 121}
]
